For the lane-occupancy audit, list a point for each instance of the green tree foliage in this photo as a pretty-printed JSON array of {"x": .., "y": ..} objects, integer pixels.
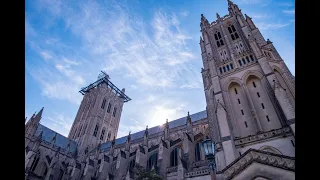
[{"x": 143, "y": 174}]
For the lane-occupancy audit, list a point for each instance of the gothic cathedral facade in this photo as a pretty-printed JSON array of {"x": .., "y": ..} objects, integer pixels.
[{"x": 250, "y": 116}]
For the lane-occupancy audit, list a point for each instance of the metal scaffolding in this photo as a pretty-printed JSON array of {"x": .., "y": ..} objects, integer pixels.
[{"x": 104, "y": 78}]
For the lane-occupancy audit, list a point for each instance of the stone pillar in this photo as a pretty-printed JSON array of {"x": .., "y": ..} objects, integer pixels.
[
  {"x": 88, "y": 170},
  {"x": 104, "y": 167},
  {"x": 122, "y": 164},
  {"x": 256, "y": 120},
  {"x": 141, "y": 156},
  {"x": 181, "y": 169},
  {"x": 280, "y": 94},
  {"x": 188, "y": 148},
  {"x": 29, "y": 158},
  {"x": 225, "y": 132},
  {"x": 163, "y": 158},
  {"x": 75, "y": 172}
]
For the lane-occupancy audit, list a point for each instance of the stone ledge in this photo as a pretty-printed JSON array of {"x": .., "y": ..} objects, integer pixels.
[
  {"x": 198, "y": 173},
  {"x": 262, "y": 136},
  {"x": 253, "y": 155}
]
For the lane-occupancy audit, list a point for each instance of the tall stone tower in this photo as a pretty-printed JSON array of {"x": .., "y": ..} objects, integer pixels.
[
  {"x": 248, "y": 87},
  {"x": 98, "y": 116}
]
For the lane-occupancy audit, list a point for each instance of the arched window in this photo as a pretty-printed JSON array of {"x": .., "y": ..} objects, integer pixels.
[
  {"x": 231, "y": 66},
  {"x": 96, "y": 130},
  {"x": 114, "y": 111},
  {"x": 233, "y": 33},
  {"x": 228, "y": 68},
  {"x": 174, "y": 157},
  {"x": 224, "y": 69},
  {"x": 109, "y": 135},
  {"x": 218, "y": 39},
  {"x": 244, "y": 62},
  {"x": 103, "y": 104},
  {"x": 220, "y": 70},
  {"x": 152, "y": 161},
  {"x": 109, "y": 108},
  {"x": 247, "y": 59},
  {"x": 102, "y": 133},
  {"x": 198, "y": 152},
  {"x": 251, "y": 57},
  {"x": 240, "y": 63},
  {"x": 35, "y": 162}
]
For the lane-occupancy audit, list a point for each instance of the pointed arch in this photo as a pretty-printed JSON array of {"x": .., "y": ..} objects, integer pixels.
[
  {"x": 229, "y": 81},
  {"x": 249, "y": 73},
  {"x": 274, "y": 67}
]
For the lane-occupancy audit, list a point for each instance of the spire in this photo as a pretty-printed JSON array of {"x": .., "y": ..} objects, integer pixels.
[
  {"x": 39, "y": 115},
  {"x": 218, "y": 16},
  {"x": 53, "y": 140},
  {"x": 146, "y": 131},
  {"x": 68, "y": 147},
  {"x": 250, "y": 22},
  {"x": 189, "y": 119},
  {"x": 167, "y": 124},
  {"x": 166, "y": 130},
  {"x": 129, "y": 137},
  {"x": 113, "y": 141},
  {"x": 145, "y": 138},
  {"x": 204, "y": 22}
]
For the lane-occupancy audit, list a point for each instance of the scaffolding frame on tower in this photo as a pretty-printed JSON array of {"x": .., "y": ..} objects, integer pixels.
[{"x": 104, "y": 78}]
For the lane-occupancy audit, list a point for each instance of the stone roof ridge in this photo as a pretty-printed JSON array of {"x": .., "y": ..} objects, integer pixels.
[{"x": 172, "y": 124}]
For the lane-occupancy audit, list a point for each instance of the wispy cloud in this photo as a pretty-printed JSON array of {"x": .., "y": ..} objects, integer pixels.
[
  {"x": 267, "y": 26},
  {"x": 290, "y": 12},
  {"x": 153, "y": 59},
  {"x": 261, "y": 2},
  {"x": 46, "y": 55},
  {"x": 259, "y": 16},
  {"x": 184, "y": 13},
  {"x": 58, "y": 122}
]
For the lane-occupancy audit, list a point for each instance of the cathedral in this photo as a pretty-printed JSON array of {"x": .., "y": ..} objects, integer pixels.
[{"x": 249, "y": 115}]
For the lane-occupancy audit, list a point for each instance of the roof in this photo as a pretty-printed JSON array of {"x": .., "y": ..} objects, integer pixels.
[
  {"x": 172, "y": 124},
  {"x": 61, "y": 141}
]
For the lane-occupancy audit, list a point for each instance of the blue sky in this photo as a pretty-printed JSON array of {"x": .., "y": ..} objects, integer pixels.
[{"x": 149, "y": 47}]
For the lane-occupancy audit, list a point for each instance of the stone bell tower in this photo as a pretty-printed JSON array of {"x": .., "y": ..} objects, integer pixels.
[
  {"x": 98, "y": 116},
  {"x": 248, "y": 87}
]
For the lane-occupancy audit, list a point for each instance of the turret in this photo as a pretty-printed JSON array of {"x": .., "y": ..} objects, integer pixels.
[
  {"x": 145, "y": 138},
  {"x": 250, "y": 22},
  {"x": 33, "y": 123},
  {"x": 204, "y": 23},
  {"x": 127, "y": 148}
]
